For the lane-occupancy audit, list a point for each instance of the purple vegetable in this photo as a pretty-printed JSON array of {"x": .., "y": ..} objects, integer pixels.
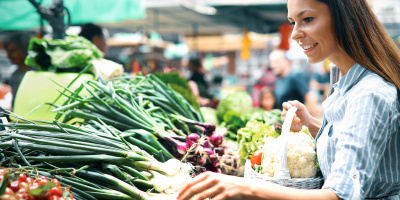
[
  {"x": 206, "y": 144},
  {"x": 210, "y": 127},
  {"x": 197, "y": 160},
  {"x": 178, "y": 149},
  {"x": 214, "y": 167},
  {"x": 214, "y": 158},
  {"x": 181, "y": 149},
  {"x": 191, "y": 139},
  {"x": 219, "y": 150},
  {"x": 208, "y": 150},
  {"x": 216, "y": 139}
]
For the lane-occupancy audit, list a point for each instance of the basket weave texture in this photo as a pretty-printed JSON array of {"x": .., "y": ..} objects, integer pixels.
[{"x": 300, "y": 183}]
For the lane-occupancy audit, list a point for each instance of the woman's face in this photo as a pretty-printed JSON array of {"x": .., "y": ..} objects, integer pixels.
[{"x": 313, "y": 29}]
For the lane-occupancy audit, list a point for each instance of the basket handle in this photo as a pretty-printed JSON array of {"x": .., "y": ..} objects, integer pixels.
[{"x": 283, "y": 172}]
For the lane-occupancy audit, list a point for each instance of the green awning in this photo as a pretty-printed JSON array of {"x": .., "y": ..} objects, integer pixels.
[{"x": 21, "y": 14}]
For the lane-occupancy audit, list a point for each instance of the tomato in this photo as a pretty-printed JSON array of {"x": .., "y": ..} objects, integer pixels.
[
  {"x": 14, "y": 186},
  {"x": 56, "y": 182},
  {"x": 34, "y": 186},
  {"x": 256, "y": 157},
  {"x": 54, "y": 197},
  {"x": 56, "y": 191},
  {"x": 30, "y": 180},
  {"x": 42, "y": 180},
  {"x": 22, "y": 196},
  {"x": 22, "y": 178},
  {"x": 7, "y": 197},
  {"x": 23, "y": 185}
]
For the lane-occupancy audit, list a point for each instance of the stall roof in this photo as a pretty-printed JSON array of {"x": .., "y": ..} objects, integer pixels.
[{"x": 233, "y": 16}]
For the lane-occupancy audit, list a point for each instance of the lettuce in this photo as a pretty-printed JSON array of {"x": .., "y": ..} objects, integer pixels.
[
  {"x": 71, "y": 54},
  {"x": 252, "y": 136}
]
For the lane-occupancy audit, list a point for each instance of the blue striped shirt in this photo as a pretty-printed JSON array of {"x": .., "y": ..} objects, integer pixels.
[{"x": 358, "y": 144}]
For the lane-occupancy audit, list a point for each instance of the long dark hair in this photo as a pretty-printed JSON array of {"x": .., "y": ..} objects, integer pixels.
[{"x": 360, "y": 34}]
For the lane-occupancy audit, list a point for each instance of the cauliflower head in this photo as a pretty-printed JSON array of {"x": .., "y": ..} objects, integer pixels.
[{"x": 301, "y": 161}]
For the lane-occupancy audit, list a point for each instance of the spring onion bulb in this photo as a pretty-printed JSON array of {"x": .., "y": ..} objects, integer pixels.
[{"x": 160, "y": 182}]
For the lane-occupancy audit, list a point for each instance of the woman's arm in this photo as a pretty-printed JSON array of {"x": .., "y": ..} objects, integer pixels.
[{"x": 219, "y": 187}]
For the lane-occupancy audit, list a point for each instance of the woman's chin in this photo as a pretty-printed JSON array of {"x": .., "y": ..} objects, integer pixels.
[{"x": 314, "y": 60}]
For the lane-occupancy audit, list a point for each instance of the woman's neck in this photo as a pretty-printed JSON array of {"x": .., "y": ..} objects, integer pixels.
[{"x": 343, "y": 61}]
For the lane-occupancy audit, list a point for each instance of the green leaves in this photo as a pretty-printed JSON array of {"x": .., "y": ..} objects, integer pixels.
[
  {"x": 3, "y": 184},
  {"x": 252, "y": 136},
  {"x": 71, "y": 54},
  {"x": 42, "y": 190}
]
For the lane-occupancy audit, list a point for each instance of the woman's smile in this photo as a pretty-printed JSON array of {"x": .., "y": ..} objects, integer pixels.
[{"x": 308, "y": 47}]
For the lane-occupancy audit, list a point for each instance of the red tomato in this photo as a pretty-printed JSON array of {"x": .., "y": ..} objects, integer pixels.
[
  {"x": 256, "y": 157},
  {"x": 9, "y": 191},
  {"x": 23, "y": 185},
  {"x": 7, "y": 197},
  {"x": 34, "y": 186},
  {"x": 56, "y": 182},
  {"x": 22, "y": 178},
  {"x": 22, "y": 196},
  {"x": 42, "y": 180},
  {"x": 14, "y": 186},
  {"x": 30, "y": 180},
  {"x": 56, "y": 191},
  {"x": 54, "y": 197}
]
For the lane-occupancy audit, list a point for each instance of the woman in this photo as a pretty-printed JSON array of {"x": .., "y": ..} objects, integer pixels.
[{"x": 357, "y": 141}]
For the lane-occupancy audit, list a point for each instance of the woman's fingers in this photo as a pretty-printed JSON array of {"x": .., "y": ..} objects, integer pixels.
[
  {"x": 211, "y": 192},
  {"x": 199, "y": 184}
]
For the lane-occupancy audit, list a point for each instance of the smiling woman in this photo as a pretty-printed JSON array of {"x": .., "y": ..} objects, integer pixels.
[{"x": 357, "y": 141}]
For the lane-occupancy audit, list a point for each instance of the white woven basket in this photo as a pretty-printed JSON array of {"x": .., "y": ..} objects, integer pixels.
[
  {"x": 283, "y": 176},
  {"x": 301, "y": 183}
]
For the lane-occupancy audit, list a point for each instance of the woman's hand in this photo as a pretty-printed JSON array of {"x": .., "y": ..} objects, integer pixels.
[
  {"x": 302, "y": 116},
  {"x": 215, "y": 186}
]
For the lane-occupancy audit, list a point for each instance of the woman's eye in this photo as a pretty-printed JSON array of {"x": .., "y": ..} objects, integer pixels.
[
  {"x": 291, "y": 23},
  {"x": 309, "y": 19}
]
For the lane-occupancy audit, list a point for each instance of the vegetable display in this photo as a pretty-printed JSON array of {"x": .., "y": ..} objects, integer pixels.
[{"x": 95, "y": 160}]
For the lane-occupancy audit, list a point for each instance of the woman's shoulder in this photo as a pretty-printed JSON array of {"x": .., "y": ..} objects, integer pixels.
[{"x": 375, "y": 85}]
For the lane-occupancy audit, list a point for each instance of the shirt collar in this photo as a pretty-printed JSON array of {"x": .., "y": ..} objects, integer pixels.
[{"x": 349, "y": 79}]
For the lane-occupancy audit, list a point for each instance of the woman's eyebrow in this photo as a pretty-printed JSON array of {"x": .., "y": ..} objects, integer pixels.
[{"x": 301, "y": 13}]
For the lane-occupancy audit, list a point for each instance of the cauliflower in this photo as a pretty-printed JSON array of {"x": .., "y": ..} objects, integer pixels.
[{"x": 301, "y": 161}]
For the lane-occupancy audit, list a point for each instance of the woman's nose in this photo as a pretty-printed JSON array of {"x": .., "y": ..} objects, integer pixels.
[{"x": 297, "y": 34}]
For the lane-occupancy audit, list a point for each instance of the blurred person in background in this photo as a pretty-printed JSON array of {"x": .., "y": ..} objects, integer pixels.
[
  {"x": 97, "y": 35},
  {"x": 197, "y": 82},
  {"x": 320, "y": 82},
  {"x": 16, "y": 44},
  {"x": 267, "y": 99},
  {"x": 291, "y": 86},
  {"x": 267, "y": 79}
]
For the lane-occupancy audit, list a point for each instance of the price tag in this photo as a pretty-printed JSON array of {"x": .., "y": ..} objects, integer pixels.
[{"x": 3, "y": 121}]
